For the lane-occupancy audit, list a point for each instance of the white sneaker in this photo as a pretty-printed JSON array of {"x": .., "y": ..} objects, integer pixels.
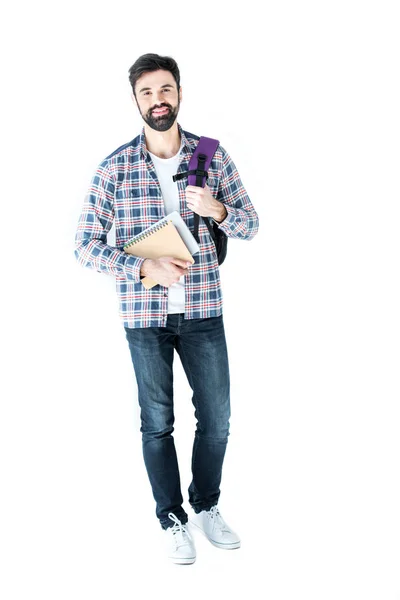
[
  {"x": 179, "y": 542},
  {"x": 213, "y": 526}
]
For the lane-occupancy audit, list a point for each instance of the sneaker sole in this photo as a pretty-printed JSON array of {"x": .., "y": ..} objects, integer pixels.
[
  {"x": 231, "y": 546},
  {"x": 182, "y": 561}
]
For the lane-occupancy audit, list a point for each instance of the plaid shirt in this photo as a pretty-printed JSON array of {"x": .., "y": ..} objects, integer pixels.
[{"x": 125, "y": 188}]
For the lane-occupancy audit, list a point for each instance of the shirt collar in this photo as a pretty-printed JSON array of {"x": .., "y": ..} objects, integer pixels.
[{"x": 186, "y": 143}]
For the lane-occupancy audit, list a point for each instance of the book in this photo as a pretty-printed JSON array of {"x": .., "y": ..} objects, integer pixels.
[{"x": 168, "y": 237}]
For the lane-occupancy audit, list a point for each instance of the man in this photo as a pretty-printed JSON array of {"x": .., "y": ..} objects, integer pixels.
[{"x": 134, "y": 186}]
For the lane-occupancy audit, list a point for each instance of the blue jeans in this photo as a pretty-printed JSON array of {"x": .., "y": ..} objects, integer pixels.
[{"x": 201, "y": 346}]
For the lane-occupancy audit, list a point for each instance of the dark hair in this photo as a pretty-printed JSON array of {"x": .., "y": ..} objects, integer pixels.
[{"x": 153, "y": 62}]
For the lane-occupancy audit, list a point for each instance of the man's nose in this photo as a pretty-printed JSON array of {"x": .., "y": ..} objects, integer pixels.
[{"x": 158, "y": 98}]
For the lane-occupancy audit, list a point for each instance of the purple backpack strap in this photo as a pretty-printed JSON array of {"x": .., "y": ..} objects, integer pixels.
[
  {"x": 197, "y": 174},
  {"x": 201, "y": 159}
]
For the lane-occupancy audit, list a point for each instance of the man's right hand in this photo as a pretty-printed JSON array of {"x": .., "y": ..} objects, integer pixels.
[{"x": 165, "y": 270}]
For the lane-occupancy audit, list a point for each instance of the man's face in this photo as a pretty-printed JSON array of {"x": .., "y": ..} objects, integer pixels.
[{"x": 157, "y": 90}]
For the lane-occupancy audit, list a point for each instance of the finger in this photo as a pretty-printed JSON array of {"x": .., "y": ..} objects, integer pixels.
[{"x": 181, "y": 263}]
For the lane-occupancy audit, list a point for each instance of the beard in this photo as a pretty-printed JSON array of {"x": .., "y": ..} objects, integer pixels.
[{"x": 161, "y": 122}]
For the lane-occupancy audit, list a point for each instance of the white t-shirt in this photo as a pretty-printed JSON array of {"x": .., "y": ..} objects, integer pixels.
[{"x": 165, "y": 168}]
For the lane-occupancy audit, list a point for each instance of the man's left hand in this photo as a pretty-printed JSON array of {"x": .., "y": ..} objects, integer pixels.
[{"x": 201, "y": 201}]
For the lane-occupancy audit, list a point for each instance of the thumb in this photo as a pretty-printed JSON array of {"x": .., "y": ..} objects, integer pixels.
[{"x": 181, "y": 263}]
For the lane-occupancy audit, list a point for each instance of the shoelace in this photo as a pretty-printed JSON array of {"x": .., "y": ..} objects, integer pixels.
[
  {"x": 218, "y": 522},
  {"x": 179, "y": 531}
]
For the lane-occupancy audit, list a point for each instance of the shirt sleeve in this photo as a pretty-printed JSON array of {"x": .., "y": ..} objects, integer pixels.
[
  {"x": 95, "y": 221},
  {"x": 242, "y": 219}
]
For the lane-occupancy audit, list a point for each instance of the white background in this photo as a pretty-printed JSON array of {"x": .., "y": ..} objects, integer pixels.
[{"x": 305, "y": 98}]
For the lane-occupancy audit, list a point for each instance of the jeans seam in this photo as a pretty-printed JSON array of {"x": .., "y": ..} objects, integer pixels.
[
  {"x": 195, "y": 401},
  {"x": 191, "y": 377}
]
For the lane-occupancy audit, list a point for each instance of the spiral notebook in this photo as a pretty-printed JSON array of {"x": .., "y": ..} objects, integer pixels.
[{"x": 164, "y": 239}]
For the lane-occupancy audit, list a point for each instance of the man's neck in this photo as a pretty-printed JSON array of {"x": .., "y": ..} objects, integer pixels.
[{"x": 163, "y": 144}]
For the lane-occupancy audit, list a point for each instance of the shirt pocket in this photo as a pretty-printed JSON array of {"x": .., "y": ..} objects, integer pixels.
[
  {"x": 134, "y": 210},
  {"x": 128, "y": 197}
]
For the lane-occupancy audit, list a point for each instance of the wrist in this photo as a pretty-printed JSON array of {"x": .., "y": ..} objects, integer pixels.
[{"x": 221, "y": 213}]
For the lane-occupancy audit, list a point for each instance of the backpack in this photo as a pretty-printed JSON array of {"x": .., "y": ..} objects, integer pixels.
[{"x": 197, "y": 175}]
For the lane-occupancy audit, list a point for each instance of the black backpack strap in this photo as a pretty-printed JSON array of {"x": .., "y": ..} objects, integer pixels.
[
  {"x": 191, "y": 172},
  {"x": 210, "y": 228},
  {"x": 201, "y": 158}
]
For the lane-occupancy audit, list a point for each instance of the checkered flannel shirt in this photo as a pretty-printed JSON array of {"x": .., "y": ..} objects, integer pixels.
[{"x": 125, "y": 189}]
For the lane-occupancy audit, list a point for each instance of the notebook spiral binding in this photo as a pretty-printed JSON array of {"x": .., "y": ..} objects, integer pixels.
[{"x": 142, "y": 236}]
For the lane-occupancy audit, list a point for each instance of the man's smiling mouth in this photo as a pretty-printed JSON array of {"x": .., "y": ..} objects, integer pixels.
[{"x": 160, "y": 111}]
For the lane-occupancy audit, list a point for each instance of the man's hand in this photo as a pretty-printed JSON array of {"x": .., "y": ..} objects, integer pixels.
[
  {"x": 165, "y": 270},
  {"x": 201, "y": 201}
]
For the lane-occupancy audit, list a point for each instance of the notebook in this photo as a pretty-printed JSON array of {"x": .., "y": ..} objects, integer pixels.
[{"x": 168, "y": 237}]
